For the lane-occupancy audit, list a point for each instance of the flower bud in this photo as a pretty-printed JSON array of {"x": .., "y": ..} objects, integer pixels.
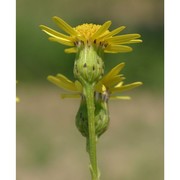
[
  {"x": 88, "y": 65},
  {"x": 101, "y": 116}
]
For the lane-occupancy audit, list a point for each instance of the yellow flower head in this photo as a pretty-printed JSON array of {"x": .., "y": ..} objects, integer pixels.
[
  {"x": 110, "y": 84},
  {"x": 113, "y": 83},
  {"x": 91, "y": 35}
]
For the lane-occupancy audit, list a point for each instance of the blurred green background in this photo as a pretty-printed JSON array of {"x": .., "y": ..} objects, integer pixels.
[{"x": 48, "y": 144}]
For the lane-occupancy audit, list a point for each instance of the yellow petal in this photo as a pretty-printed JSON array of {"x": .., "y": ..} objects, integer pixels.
[
  {"x": 54, "y": 33},
  {"x": 70, "y": 50},
  {"x": 119, "y": 84},
  {"x": 62, "y": 41},
  {"x": 114, "y": 32},
  {"x": 133, "y": 41},
  {"x": 113, "y": 72},
  {"x": 126, "y": 87},
  {"x": 120, "y": 97},
  {"x": 67, "y": 81},
  {"x": 62, "y": 82},
  {"x": 63, "y": 25},
  {"x": 78, "y": 86},
  {"x": 101, "y": 30},
  {"x": 99, "y": 87},
  {"x": 114, "y": 81},
  {"x": 123, "y": 38},
  {"x": 117, "y": 49}
]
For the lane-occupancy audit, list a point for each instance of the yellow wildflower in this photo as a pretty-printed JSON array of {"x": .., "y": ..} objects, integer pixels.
[
  {"x": 111, "y": 83},
  {"x": 91, "y": 34}
]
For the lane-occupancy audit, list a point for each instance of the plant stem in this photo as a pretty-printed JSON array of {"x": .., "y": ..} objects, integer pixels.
[{"x": 89, "y": 92}]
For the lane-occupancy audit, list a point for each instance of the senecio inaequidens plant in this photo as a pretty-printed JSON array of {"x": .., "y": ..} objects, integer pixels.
[{"x": 89, "y": 42}]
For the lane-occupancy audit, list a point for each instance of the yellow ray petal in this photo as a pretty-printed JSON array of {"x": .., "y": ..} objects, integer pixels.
[
  {"x": 62, "y": 41},
  {"x": 70, "y": 50},
  {"x": 99, "y": 87},
  {"x": 62, "y": 82},
  {"x": 120, "y": 97},
  {"x": 54, "y": 33},
  {"x": 101, "y": 30},
  {"x": 133, "y": 41},
  {"x": 113, "y": 72},
  {"x": 114, "y": 32},
  {"x": 114, "y": 81},
  {"x": 119, "y": 84},
  {"x": 126, "y": 87},
  {"x": 117, "y": 49},
  {"x": 123, "y": 38},
  {"x": 78, "y": 86},
  {"x": 63, "y": 25},
  {"x": 67, "y": 81}
]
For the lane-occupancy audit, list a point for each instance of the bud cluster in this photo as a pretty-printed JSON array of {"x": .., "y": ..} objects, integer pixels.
[{"x": 101, "y": 115}]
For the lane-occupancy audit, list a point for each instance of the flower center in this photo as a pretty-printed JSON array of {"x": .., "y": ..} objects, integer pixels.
[{"x": 88, "y": 30}]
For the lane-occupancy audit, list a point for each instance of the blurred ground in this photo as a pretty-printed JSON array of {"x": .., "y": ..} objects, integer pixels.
[{"x": 50, "y": 147}]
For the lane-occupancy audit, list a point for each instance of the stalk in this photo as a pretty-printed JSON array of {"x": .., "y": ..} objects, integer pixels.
[{"x": 91, "y": 139}]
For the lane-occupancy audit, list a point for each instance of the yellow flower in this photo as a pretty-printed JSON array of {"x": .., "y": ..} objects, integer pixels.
[
  {"x": 111, "y": 83},
  {"x": 91, "y": 34}
]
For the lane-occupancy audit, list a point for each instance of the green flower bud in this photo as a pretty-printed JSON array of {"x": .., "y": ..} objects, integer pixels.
[
  {"x": 101, "y": 116},
  {"x": 88, "y": 65}
]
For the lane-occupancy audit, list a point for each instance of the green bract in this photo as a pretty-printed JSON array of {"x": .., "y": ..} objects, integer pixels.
[{"x": 88, "y": 65}]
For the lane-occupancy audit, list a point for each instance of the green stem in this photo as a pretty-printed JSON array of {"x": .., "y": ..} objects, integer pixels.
[{"x": 89, "y": 93}]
